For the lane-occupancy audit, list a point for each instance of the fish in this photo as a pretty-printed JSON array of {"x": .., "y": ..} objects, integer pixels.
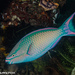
[
  {"x": 48, "y": 5},
  {"x": 36, "y": 43}
]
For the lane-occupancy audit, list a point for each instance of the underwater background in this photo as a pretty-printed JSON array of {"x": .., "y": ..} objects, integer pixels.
[{"x": 18, "y": 18}]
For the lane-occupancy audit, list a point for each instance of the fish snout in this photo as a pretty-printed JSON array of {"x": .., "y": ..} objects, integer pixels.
[{"x": 8, "y": 61}]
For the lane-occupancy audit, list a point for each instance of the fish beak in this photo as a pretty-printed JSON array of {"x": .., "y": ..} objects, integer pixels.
[{"x": 7, "y": 61}]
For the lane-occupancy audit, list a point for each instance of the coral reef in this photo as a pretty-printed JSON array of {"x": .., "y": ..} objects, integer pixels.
[
  {"x": 27, "y": 11},
  {"x": 23, "y": 16}
]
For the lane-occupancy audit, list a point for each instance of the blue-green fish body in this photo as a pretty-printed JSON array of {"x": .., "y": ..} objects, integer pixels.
[{"x": 37, "y": 43}]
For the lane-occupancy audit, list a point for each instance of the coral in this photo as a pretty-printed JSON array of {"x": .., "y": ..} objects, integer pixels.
[
  {"x": 28, "y": 12},
  {"x": 46, "y": 5}
]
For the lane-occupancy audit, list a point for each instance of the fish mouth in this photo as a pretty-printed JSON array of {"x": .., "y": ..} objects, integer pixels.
[{"x": 8, "y": 61}]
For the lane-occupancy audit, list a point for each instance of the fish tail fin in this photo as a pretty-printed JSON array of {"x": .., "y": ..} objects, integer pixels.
[{"x": 68, "y": 27}]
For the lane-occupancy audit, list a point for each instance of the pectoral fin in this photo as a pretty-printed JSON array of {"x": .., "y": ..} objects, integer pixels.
[{"x": 29, "y": 49}]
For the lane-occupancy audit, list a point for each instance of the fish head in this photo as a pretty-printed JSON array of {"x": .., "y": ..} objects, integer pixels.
[{"x": 16, "y": 56}]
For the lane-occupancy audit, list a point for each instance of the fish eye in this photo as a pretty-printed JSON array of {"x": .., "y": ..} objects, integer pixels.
[{"x": 13, "y": 55}]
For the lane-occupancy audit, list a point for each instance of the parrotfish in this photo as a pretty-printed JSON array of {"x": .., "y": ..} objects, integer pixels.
[
  {"x": 38, "y": 42},
  {"x": 48, "y": 5}
]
